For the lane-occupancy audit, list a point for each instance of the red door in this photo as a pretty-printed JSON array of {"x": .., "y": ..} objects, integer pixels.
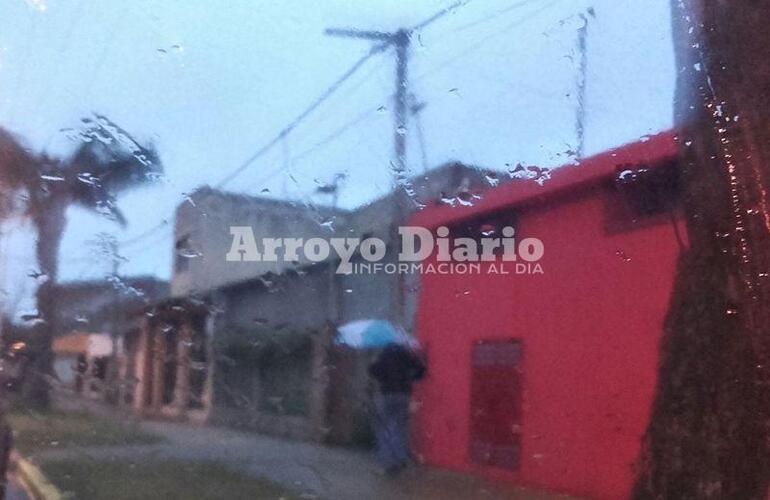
[{"x": 495, "y": 434}]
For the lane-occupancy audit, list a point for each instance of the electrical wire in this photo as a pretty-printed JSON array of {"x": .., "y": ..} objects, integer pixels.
[
  {"x": 293, "y": 124},
  {"x": 362, "y": 116}
]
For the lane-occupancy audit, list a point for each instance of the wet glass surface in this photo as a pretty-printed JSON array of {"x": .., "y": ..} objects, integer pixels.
[{"x": 472, "y": 249}]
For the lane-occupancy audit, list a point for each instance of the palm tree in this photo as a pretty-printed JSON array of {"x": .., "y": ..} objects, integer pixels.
[
  {"x": 107, "y": 162},
  {"x": 708, "y": 433}
]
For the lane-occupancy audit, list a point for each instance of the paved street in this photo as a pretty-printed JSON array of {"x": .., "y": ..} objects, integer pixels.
[{"x": 314, "y": 471}]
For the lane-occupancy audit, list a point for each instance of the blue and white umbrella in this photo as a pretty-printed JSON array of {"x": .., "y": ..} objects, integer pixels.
[{"x": 372, "y": 334}]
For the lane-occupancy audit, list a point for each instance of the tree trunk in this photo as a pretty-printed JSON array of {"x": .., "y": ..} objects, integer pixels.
[
  {"x": 49, "y": 215},
  {"x": 708, "y": 433}
]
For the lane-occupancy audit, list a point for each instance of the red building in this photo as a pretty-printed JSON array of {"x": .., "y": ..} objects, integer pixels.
[{"x": 546, "y": 379}]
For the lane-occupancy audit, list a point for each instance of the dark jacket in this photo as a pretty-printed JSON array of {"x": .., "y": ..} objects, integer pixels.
[{"x": 396, "y": 369}]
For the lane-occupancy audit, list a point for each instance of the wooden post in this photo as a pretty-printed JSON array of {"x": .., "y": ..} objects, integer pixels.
[
  {"x": 142, "y": 366},
  {"x": 182, "y": 387},
  {"x": 158, "y": 352},
  {"x": 208, "y": 388},
  {"x": 319, "y": 394}
]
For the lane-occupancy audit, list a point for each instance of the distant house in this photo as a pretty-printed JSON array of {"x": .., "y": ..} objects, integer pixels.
[
  {"x": 260, "y": 333},
  {"x": 546, "y": 379},
  {"x": 80, "y": 361},
  {"x": 95, "y": 305},
  {"x": 89, "y": 315}
]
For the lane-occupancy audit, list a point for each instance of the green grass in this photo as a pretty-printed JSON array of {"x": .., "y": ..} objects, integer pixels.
[
  {"x": 37, "y": 432},
  {"x": 146, "y": 480}
]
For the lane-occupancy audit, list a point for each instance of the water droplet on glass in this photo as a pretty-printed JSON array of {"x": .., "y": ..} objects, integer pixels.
[
  {"x": 55, "y": 178},
  {"x": 623, "y": 256},
  {"x": 492, "y": 179}
]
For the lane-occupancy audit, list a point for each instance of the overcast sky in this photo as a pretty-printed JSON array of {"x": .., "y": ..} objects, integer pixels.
[{"x": 210, "y": 82}]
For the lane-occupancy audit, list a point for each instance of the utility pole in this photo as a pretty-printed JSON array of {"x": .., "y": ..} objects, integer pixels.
[
  {"x": 332, "y": 188},
  {"x": 416, "y": 109},
  {"x": 401, "y": 41},
  {"x": 334, "y": 300},
  {"x": 582, "y": 43}
]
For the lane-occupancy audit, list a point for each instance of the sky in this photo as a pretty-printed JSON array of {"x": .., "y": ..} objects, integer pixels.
[{"x": 209, "y": 83}]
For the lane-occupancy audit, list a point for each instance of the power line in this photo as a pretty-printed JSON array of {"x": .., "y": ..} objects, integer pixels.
[
  {"x": 131, "y": 241},
  {"x": 363, "y": 115},
  {"x": 386, "y": 40},
  {"x": 494, "y": 15},
  {"x": 375, "y": 49},
  {"x": 153, "y": 242},
  {"x": 483, "y": 40}
]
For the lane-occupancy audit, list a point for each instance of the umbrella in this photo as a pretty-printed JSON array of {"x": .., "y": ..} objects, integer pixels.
[{"x": 372, "y": 334}]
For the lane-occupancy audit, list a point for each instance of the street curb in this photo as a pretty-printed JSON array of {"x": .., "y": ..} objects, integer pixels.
[{"x": 33, "y": 480}]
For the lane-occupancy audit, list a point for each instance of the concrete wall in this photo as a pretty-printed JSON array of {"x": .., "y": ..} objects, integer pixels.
[
  {"x": 202, "y": 236},
  {"x": 295, "y": 301},
  {"x": 202, "y": 226}
]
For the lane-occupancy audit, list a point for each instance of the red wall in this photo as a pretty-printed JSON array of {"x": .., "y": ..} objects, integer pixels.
[{"x": 590, "y": 327}]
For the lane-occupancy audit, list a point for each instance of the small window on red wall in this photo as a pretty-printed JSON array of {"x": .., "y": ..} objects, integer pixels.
[{"x": 495, "y": 420}]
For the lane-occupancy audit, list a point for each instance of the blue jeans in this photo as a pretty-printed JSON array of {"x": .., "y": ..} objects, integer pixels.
[{"x": 391, "y": 427}]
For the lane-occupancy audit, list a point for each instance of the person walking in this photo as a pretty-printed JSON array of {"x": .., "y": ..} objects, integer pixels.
[{"x": 395, "y": 370}]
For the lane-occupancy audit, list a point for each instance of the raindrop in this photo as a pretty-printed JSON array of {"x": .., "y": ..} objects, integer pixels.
[
  {"x": 623, "y": 256},
  {"x": 188, "y": 253},
  {"x": 488, "y": 230},
  {"x": 188, "y": 198},
  {"x": 153, "y": 176},
  {"x": 57, "y": 178},
  {"x": 492, "y": 179},
  {"x": 36, "y": 274},
  {"x": 466, "y": 199},
  {"x": 328, "y": 223},
  {"x": 87, "y": 178}
]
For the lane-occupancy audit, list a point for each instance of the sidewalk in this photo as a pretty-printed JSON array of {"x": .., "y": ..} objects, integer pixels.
[{"x": 314, "y": 471}]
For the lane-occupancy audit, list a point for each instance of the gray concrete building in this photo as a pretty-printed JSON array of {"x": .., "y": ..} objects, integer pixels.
[
  {"x": 202, "y": 236},
  {"x": 262, "y": 332}
]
